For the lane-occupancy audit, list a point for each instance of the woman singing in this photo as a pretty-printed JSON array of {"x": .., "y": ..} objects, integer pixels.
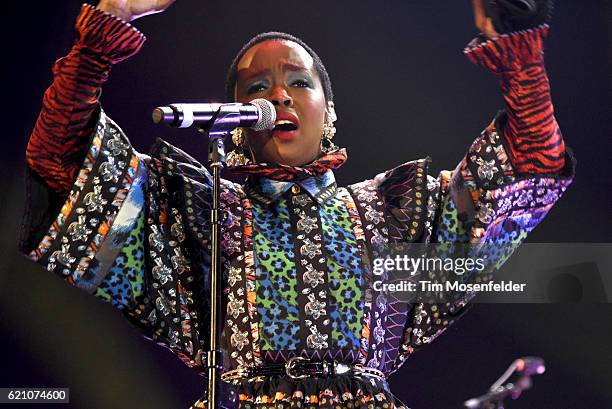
[{"x": 304, "y": 326}]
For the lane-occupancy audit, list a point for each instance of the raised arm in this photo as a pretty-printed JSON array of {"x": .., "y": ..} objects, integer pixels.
[
  {"x": 60, "y": 137},
  {"x": 128, "y": 228},
  {"x": 84, "y": 210},
  {"x": 530, "y": 132},
  {"x": 511, "y": 176}
]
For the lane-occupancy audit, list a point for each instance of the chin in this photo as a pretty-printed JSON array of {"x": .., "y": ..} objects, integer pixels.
[
  {"x": 292, "y": 157},
  {"x": 291, "y": 161}
]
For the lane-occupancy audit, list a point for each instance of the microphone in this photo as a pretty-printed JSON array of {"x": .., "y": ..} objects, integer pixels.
[{"x": 259, "y": 114}]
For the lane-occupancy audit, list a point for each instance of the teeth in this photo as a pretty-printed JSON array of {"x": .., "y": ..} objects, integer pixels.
[{"x": 286, "y": 125}]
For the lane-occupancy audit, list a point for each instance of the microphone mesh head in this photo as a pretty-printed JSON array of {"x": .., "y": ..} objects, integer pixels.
[{"x": 267, "y": 114}]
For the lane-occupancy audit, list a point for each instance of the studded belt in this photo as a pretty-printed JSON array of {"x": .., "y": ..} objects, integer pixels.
[{"x": 299, "y": 367}]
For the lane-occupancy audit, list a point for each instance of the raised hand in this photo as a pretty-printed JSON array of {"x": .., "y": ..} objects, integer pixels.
[
  {"x": 130, "y": 10},
  {"x": 483, "y": 23}
]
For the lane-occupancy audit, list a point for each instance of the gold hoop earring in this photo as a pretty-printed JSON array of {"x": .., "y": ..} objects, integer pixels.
[
  {"x": 329, "y": 130},
  {"x": 237, "y": 156}
]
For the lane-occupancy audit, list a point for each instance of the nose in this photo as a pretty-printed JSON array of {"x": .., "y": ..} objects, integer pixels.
[{"x": 280, "y": 97}]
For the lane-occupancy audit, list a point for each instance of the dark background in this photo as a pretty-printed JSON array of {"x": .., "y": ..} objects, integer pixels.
[{"x": 403, "y": 91}]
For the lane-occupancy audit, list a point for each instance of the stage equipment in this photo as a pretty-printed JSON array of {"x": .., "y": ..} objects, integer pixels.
[
  {"x": 494, "y": 399},
  {"x": 217, "y": 125},
  {"x": 258, "y": 114}
]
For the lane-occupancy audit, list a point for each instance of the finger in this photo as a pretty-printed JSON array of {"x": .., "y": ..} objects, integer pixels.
[
  {"x": 490, "y": 29},
  {"x": 483, "y": 23},
  {"x": 479, "y": 13}
]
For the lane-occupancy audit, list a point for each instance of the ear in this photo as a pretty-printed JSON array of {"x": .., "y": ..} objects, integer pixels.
[{"x": 330, "y": 112}]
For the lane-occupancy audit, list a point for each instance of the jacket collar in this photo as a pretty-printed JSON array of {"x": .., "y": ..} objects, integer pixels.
[
  {"x": 286, "y": 173},
  {"x": 267, "y": 182},
  {"x": 320, "y": 187}
]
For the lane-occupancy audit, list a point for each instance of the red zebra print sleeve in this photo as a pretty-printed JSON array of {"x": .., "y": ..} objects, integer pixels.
[
  {"x": 59, "y": 140},
  {"x": 533, "y": 138}
]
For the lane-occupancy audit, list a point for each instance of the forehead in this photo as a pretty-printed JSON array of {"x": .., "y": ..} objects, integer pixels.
[{"x": 272, "y": 53}]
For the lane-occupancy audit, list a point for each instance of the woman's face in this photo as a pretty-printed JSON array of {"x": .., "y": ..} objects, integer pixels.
[{"x": 283, "y": 72}]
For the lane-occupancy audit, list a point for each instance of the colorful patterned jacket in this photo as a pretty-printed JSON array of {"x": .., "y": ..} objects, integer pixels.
[{"x": 297, "y": 249}]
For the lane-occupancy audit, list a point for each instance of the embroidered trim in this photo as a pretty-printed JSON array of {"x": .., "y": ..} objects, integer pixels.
[
  {"x": 344, "y": 195},
  {"x": 370, "y": 206},
  {"x": 312, "y": 282},
  {"x": 486, "y": 164},
  {"x": 90, "y": 210}
]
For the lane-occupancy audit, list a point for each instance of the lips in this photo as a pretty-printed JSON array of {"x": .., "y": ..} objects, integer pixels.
[{"x": 285, "y": 126}]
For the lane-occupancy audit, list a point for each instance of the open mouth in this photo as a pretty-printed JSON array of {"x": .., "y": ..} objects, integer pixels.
[{"x": 284, "y": 126}]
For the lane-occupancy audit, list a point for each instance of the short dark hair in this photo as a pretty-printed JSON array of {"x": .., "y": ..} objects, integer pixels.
[{"x": 232, "y": 73}]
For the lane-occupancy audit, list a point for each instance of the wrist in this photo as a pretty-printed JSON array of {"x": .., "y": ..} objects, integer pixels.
[
  {"x": 123, "y": 14},
  {"x": 103, "y": 35},
  {"x": 510, "y": 53}
]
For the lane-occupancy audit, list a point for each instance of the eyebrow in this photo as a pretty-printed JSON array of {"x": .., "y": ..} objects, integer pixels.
[
  {"x": 286, "y": 66},
  {"x": 294, "y": 67}
]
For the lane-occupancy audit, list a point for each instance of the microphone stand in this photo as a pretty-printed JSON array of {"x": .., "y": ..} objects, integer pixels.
[
  {"x": 218, "y": 127},
  {"x": 494, "y": 398},
  {"x": 225, "y": 121}
]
